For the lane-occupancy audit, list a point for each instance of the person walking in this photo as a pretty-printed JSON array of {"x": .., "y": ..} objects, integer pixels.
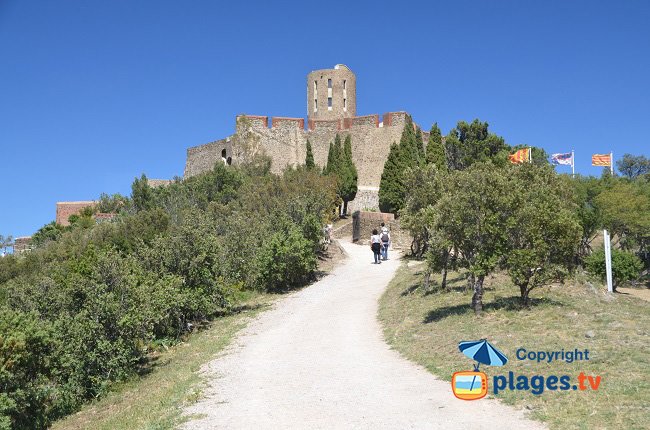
[
  {"x": 375, "y": 245},
  {"x": 385, "y": 241}
]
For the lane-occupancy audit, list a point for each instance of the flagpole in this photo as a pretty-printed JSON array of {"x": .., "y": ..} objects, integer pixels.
[
  {"x": 573, "y": 164},
  {"x": 611, "y": 162}
]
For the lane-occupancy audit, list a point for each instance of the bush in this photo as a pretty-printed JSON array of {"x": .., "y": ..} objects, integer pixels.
[
  {"x": 286, "y": 259},
  {"x": 90, "y": 300},
  {"x": 25, "y": 349},
  {"x": 625, "y": 266}
]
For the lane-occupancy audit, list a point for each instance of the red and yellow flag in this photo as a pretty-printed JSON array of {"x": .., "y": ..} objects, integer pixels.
[
  {"x": 601, "y": 160},
  {"x": 521, "y": 156}
]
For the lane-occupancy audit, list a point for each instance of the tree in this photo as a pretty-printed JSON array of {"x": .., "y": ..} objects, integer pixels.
[
  {"x": 625, "y": 208},
  {"x": 419, "y": 142},
  {"x": 470, "y": 215},
  {"x": 400, "y": 157},
  {"x": 435, "y": 151},
  {"x": 142, "y": 194},
  {"x": 625, "y": 266},
  {"x": 391, "y": 186},
  {"x": 410, "y": 147},
  {"x": 543, "y": 228},
  {"x": 309, "y": 158},
  {"x": 470, "y": 143},
  {"x": 348, "y": 174},
  {"x": 633, "y": 166},
  {"x": 423, "y": 185},
  {"x": 341, "y": 166},
  {"x": 333, "y": 157},
  {"x": 6, "y": 242},
  {"x": 586, "y": 189},
  {"x": 47, "y": 233}
]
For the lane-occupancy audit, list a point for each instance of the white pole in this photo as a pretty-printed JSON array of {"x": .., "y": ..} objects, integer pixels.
[
  {"x": 573, "y": 164},
  {"x": 611, "y": 162},
  {"x": 608, "y": 261}
]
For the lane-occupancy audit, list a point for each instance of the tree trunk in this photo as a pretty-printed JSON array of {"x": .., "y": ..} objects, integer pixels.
[
  {"x": 525, "y": 292},
  {"x": 345, "y": 207},
  {"x": 444, "y": 271},
  {"x": 477, "y": 297},
  {"x": 427, "y": 281}
]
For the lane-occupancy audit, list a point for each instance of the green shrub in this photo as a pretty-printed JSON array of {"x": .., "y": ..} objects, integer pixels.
[
  {"x": 25, "y": 369},
  {"x": 285, "y": 260},
  {"x": 91, "y": 299},
  {"x": 625, "y": 266}
]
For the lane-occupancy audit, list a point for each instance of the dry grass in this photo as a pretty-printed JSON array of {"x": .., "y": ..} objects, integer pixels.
[{"x": 427, "y": 329}]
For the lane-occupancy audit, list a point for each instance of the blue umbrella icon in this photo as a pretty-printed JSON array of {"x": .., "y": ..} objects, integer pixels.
[{"x": 483, "y": 352}]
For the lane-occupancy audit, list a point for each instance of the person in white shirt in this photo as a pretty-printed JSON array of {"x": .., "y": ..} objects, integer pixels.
[
  {"x": 385, "y": 241},
  {"x": 375, "y": 245}
]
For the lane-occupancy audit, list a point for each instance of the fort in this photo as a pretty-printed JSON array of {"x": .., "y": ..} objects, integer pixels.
[{"x": 331, "y": 110}]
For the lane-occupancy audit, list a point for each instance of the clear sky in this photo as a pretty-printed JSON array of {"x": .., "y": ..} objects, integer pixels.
[{"x": 94, "y": 93}]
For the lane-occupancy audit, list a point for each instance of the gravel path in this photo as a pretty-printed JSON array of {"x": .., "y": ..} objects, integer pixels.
[{"x": 317, "y": 360}]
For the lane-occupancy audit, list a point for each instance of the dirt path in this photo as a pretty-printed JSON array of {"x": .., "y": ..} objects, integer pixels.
[
  {"x": 641, "y": 293},
  {"x": 318, "y": 361}
]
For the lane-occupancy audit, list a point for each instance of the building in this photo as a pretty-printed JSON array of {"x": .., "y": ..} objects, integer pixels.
[{"x": 331, "y": 109}]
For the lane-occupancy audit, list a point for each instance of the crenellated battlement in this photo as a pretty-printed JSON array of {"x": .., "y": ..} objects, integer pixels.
[
  {"x": 260, "y": 122},
  {"x": 395, "y": 119},
  {"x": 254, "y": 121},
  {"x": 287, "y": 123}
]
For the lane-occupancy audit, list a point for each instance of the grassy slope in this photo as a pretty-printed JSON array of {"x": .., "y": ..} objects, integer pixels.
[{"x": 427, "y": 329}]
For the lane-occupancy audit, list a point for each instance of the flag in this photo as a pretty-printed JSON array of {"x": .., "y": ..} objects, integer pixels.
[
  {"x": 565, "y": 159},
  {"x": 601, "y": 160},
  {"x": 521, "y": 156}
]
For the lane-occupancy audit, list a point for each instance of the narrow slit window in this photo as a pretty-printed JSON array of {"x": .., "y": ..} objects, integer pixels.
[
  {"x": 345, "y": 84},
  {"x": 329, "y": 83},
  {"x": 315, "y": 105},
  {"x": 345, "y": 104},
  {"x": 329, "y": 102}
]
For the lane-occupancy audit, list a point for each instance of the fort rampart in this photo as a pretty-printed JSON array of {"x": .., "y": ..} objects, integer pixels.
[{"x": 285, "y": 139}]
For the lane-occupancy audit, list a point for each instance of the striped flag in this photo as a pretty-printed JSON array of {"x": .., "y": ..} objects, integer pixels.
[
  {"x": 601, "y": 160},
  {"x": 564, "y": 159},
  {"x": 521, "y": 156}
]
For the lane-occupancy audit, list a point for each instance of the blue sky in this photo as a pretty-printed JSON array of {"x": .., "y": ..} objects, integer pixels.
[{"x": 94, "y": 93}]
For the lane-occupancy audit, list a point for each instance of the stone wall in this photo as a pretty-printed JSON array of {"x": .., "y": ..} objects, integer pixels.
[
  {"x": 22, "y": 244},
  {"x": 65, "y": 209},
  {"x": 202, "y": 158},
  {"x": 364, "y": 222},
  {"x": 285, "y": 142}
]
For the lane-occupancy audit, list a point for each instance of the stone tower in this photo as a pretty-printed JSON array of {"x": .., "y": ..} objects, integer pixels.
[{"x": 331, "y": 93}]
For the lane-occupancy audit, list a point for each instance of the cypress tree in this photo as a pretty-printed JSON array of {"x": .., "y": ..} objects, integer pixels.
[
  {"x": 309, "y": 159},
  {"x": 330, "y": 157},
  {"x": 348, "y": 175},
  {"x": 435, "y": 149},
  {"x": 408, "y": 146},
  {"x": 391, "y": 187},
  {"x": 420, "y": 146}
]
